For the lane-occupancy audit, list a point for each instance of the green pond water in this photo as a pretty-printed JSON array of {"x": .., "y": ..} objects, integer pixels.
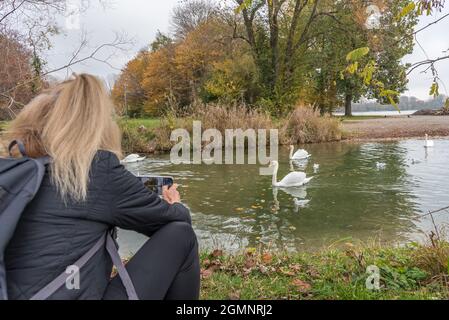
[{"x": 350, "y": 198}]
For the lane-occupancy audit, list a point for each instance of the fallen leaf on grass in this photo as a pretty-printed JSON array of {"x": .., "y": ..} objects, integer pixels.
[
  {"x": 287, "y": 272},
  {"x": 217, "y": 253},
  {"x": 206, "y": 273},
  {"x": 250, "y": 263},
  {"x": 206, "y": 262},
  {"x": 295, "y": 267},
  {"x": 234, "y": 295},
  {"x": 267, "y": 258},
  {"x": 302, "y": 286}
]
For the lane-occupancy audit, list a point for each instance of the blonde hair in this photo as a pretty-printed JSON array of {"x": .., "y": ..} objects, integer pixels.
[{"x": 69, "y": 122}]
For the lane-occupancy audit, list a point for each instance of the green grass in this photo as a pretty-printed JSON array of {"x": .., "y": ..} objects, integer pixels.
[
  {"x": 333, "y": 274},
  {"x": 134, "y": 139},
  {"x": 149, "y": 123},
  {"x": 357, "y": 118}
]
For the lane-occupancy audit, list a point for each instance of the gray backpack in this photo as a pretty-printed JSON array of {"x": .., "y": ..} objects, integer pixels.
[{"x": 20, "y": 180}]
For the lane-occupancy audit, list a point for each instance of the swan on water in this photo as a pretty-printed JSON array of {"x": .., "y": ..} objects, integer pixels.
[
  {"x": 132, "y": 158},
  {"x": 293, "y": 179},
  {"x": 381, "y": 165},
  {"x": 301, "y": 154},
  {"x": 296, "y": 193},
  {"x": 316, "y": 167},
  {"x": 429, "y": 143}
]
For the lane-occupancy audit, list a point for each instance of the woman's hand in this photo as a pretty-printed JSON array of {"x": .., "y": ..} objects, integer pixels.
[{"x": 171, "y": 195}]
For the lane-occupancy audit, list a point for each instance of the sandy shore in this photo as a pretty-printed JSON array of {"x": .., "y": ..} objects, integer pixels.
[{"x": 397, "y": 127}]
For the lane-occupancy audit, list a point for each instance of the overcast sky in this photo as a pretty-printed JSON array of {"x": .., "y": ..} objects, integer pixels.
[{"x": 140, "y": 20}]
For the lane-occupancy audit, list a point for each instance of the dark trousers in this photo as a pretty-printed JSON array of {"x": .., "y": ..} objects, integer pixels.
[{"x": 166, "y": 267}]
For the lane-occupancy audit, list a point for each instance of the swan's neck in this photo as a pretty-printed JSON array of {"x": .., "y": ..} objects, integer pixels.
[
  {"x": 291, "y": 152},
  {"x": 275, "y": 175}
]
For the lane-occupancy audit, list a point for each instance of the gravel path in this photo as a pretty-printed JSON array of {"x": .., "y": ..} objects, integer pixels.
[{"x": 397, "y": 127}]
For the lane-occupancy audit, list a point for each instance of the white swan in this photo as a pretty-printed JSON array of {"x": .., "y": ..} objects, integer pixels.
[
  {"x": 301, "y": 154},
  {"x": 316, "y": 167},
  {"x": 297, "y": 193},
  {"x": 429, "y": 143},
  {"x": 132, "y": 158},
  {"x": 293, "y": 179},
  {"x": 381, "y": 165}
]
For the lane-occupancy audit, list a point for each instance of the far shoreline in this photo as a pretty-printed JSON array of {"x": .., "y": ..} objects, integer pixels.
[
  {"x": 360, "y": 129},
  {"x": 394, "y": 128}
]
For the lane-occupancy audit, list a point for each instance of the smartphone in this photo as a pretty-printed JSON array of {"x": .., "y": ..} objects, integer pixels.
[{"x": 155, "y": 183}]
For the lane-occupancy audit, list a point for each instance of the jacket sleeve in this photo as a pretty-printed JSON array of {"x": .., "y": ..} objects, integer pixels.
[{"x": 134, "y": 207}]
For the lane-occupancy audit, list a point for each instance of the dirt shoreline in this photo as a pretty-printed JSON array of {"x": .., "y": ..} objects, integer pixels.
[{"x": 396, "y": 128}]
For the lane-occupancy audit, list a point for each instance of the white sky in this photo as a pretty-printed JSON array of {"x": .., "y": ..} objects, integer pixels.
[{"x": 140, "y": 20}]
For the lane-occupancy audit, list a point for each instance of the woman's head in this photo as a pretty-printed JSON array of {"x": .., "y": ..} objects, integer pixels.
[{"x": 69, "y": 122}]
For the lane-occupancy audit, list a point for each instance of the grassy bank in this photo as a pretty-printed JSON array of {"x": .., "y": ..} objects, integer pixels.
[
  {"x": 411, "y": 272},
  {"x": 149, "y": 123},
  {"x": 302, "y": 125}
]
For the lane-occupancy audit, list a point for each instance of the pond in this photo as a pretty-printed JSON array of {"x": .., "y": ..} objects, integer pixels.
[{"x": 349, "y": 198}]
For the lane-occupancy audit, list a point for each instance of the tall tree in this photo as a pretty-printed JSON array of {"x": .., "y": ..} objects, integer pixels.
[{"x": 191, "y": 14}]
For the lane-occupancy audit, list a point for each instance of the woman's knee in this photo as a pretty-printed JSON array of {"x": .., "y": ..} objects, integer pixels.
[{"x": 182, "y": 231}]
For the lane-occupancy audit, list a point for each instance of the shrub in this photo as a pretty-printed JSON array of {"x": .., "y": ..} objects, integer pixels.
[
  {"x": 434, "y": 259},
  {"x": 211, "y": 116},
  {"x": 306, "y": 125},
  {"x": 303, "y": 125},
  {"x": 135, "y": 139}
]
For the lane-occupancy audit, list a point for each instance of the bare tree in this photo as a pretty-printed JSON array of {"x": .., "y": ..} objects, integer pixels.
[
  {"x": 26, "y": 28},
  {"x": 190, "y": 14}
]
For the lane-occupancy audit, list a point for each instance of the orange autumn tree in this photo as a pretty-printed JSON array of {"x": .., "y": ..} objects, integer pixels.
[
  {"x": 177, "y": 73},
  {"x": 128, "y": 92},
  {"x": 16, "y": 75}
]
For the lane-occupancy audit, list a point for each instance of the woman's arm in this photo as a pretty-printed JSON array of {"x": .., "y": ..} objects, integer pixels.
[{"x": 134, "y": 207}]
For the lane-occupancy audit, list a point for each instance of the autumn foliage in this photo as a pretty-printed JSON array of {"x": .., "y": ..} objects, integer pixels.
[
  {"x": 178, "y": 73},
  {"x": 15, "y": 69}
]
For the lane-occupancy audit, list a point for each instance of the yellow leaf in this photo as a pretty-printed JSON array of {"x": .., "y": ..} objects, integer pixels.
[{"x": 407, "y": 9}]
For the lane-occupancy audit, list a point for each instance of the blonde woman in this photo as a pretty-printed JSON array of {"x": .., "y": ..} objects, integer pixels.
[{"x": 86, "y": 192}]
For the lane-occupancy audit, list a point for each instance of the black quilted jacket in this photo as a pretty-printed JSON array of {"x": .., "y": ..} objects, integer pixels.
[{"x": 52, "y": 235}]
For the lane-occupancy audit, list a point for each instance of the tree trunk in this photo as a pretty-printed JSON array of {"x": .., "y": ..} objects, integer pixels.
[
  {"x": 273, "y": 11},
  {"x": 348, "y": 105}
]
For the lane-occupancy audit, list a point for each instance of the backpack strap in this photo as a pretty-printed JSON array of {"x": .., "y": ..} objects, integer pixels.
[
  {"x": 107, "y": 239},
  {"x": 20, "y": 145},
  {"x": 121, "y": 270}
]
